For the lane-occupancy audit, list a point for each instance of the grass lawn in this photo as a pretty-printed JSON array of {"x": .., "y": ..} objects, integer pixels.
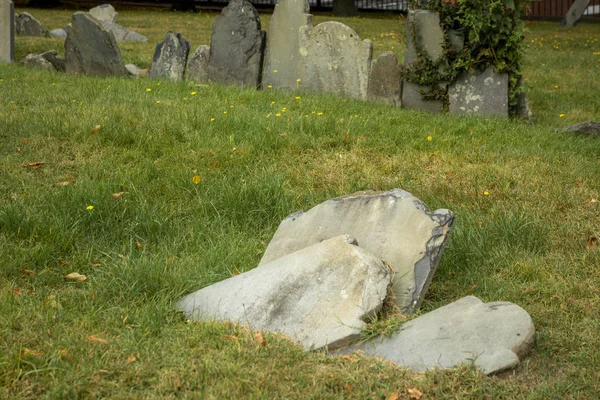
[{"x": 117, "y": 200}]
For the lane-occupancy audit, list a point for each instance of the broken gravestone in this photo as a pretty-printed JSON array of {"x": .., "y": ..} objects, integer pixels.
[
  {"x": 49, "y": 60},
  {"x": 333, "y": 59},
  {"x": 494, "y": 336},
  {"x": 384, "y": 79},
  {"x": 237, "y": 46},
  {"x": 197, "y": 66},
  {"x": 395, "y": 226},
  {"x": 281, "y": 54},
  {"x": 589, "y": 128},
  {"x": 90, "y": 49},
  {"x": 482, "y": 93},
  {"x": 170, "y": 57},
  {"x": 123, "y": 34},
  {"x": 26, "y": 25},
  {"x": 104, "y": 12},
  {"x": 321, "y": 295}
]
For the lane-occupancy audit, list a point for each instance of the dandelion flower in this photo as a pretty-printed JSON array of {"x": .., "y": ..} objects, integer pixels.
[
  {"x": 486, "y": 193},
  {"x": 278, "y": 115},
  {"x": 148, "y": 89},
  {"x": 89, "y": 208},
  {"x": 212, "y": 119},
  {"x": 555, "y": 86},
  {"x": 270, "y": 87},
  {"x": 275, "y": 70},
  {"x": 52, "y": 83},
  {"x": 561, "y": 115},
  {"x": 284, "y": 109},
  {"x": 297, "y": 97},
  {"x": 319, "y": 113},
  {"x": 193, "y": 93},
  {"x": 272, "y": 102},
  {"x": 429, "y": 138},
  {"x": 157, "y": 101},
  {"x": 224, "y": 112},
  {"x": 355, "y": 115},
  {"x": 298, "y": 80}
]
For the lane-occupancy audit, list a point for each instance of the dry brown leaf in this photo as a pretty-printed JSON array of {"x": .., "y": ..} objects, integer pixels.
[
  {"x": 117, "y": 195},
  {"x": 259, "y": 338},
  {"x": 18, "y": 149},
  {"x": 74, "y": 276},
  {"x": 95, "y": 265},
  {"x": 29, "y": 352},
  {"x": 33, "y": 165},
  {"x": 121, "y": 256},
  {"x": 65, "y": 354},
  {"x": 25, "y": 140},
  {"x": 16, "y": 292},
  {"x": 591, "y": 243},
  {"x": 133, "y": 358},
  {"x": 414, "y": 394},
  {"x": 28, "y": 272},
  {"x": 231, "y": 338},
  {"x": 470, "y": 289},
  {"x": 63, "y": 262},
  {"x": 176, "y": 384},
  {"x": 393, "y": 396},
  {"x": 196, "y": 179},
  {"x": 94, "y": 339},
  {"x": 95, "y": 130},
  {"x": 64, "y": 183},
  {"x": 348, "y": 387}
]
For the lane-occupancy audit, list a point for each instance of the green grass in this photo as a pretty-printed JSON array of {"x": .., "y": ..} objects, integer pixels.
[{"x": 524, "y": 242}]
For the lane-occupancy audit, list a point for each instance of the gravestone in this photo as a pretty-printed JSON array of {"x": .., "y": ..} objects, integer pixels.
[
  {"x": 395, "y": 226},
  {"x": 333, "y": 59},
  {"x": 320, "y": 295},
  {"x": 412, "y": 98},
  {"x": 53, "y": 58},
  {"x": 37, "y": 61},
  {"x": 197, "y": 67},
  {"x": 237, "y": 46},
  {"x": 170, "y": 57},
  {"x": 384, "y": 79},
  {"x": 123, "y": 34},
  {"x": 26, "y": 25},
  {"x": 281, "y": 54},
  {"x": 482, "y": 93},
  {"x": 494, "y": 336},
  {"x": 104, "y": 12},
  {"x": 7, "y": 31},
  {"x": 588, "y": 128},
  {"x": 90, "y": 49}
]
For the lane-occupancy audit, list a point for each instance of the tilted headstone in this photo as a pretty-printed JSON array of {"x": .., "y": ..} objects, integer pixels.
[
  {"x": 237, "y": 46},
  {"x": 92, "y": 50},
  {"x": 494, "y": 336},
  {"x": 7, "y": 31},
  {"x": 197, "y": 66},
  {"x": 483, "y": 93},
  {"x": 123, "y": 34},
  {"x": 384, "y": 79},
  {"x": 320, "y": 296},
  {"x": 334, "y": 59},
  {"x": 104, "y": 12},
  {"x": 281, "y": 54},
  {"x": 26, "y": 25},
  {"x": 395, "y": 226},
  {"x": 170, "y": 57}
]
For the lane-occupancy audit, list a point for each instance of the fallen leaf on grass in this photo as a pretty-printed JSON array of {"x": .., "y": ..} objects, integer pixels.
[
  {"x": 16, "y": 292},
  {"x": 29, "y": 352},
  {"x": 231, "y": 338},
  {"x": 133, "y": 358},
  {"x": 123, "y": 257},
  {"x": 117, "y": 195},
  {"x": 470, "y": 289},
  {"x": 95, "y": 130},
  {"x": 74, "y": 276},
  {"x": 177, "y": 384},
  {"x": 63, "y": 353},
  {"x": 139, "y": 246},
  {"x": 259, "y": 338},
  {"x": 414, "y": 394},
  {"x": 393, "y": 396},
  {"x": 28, "y": 272},
  {"x": 348, "y": 387},
  {"x": 591, "y": 243},
  {"x": 25, "y": 140},
  {"x": 95, "y": 265},
  {"x": 94, "y": 339},
  {"x": 65, "y": 183},
  {"x": 34, "y": 165}
]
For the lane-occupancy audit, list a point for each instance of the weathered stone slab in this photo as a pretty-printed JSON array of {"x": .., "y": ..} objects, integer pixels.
[
  {"x": 385, "y": 84},
  {"x": 197, "y": 66},
  {"x": 26, "y": 25},
  {"x": 170, "y": 57},
  {"x": 425, "y": 25},
  {"x": 281, "y": 54},
  {"x": 395, "y": 226},
  {"x": 37, "y": 61},
  {"x": 413, "y": 99},
  {"x": 132, "y": 69},
  {"x": 320, "y": 295},
  {"x": 123, "y": 34},
  {"x": 53, "y": 58},
  {"x": 104, "y": 12},
  {"x": 589, "y": 128},
  {"x": 495, "y": 336},
  {"x": 90, "y": 49},
  {"x": 7, "y": 31},
  {"x": 334, "y": 59},
  {"x": 237, "y": 46},
  {"x": 484, "y": 93},
  {"x": 58, "y": 33}
]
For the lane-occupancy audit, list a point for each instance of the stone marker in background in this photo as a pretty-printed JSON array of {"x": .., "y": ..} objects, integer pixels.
[
  {"x": 384, "y": 79},
  {"x": 334, "y": 59},
  {"x": 237, "y": 46},
  {"x": 26, "y": 25},
  {"x": 589, "y": 128},
  {"x": 395, "y": 226},
  {"x": 197, "y": 66},
  {"x": 123, "y": 34},
  {"x": 37, "y": 61},
  {"x": 7, "y": 31},
  {"x": 104, "y": 12},
  {"x": 483, "y": 93},
  {"x": 53, "y": 58},
  {"x": 494, "y": 336},
  {"x": 170, "y": 57},
  {"x": 58, "y": 33},
  {"x": 320, "y": 295},
  {"x": 281, "y": 54},
  {"x": 90, "y": 49}
]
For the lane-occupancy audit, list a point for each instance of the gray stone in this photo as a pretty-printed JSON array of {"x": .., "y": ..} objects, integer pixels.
[
  {"x": 457, "y": 40},
  {"x": 523, "y": 108},
  {"x": 395, "y": 226},
  {"x": 281, "y": 54},
  {"x": 37, "y": 61},
  {"x": 321, "y": 296},
  {"x": 589, "y": 128},
  {"x": 197, "y": 66},
  {"x": 58, "y": 33},
  {"x": 413, "y": 99},
  {"x": 494, "y": 336},
  {"x": 132, "y": 69},
  {"x": 237, "y": 46},
  {"x": 26, "y": 25},
  {"x": 385, "y": 84},
  {"x": 104, "y": 12},
  {"x": 90, "y": 49},
  {"x": 484, "y": 93},
  {"x": 334, "y": 59},
  {"x": 123, "y": 34},
  {"x": 53, "y": 58},
  {"x": 428, "y": 33},
  {"x": 170, "y": 57},
  {"x": 7, "y": 31}
]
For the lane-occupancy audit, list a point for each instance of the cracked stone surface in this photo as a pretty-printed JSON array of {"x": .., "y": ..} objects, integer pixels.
[
  {"x": 170, "y": 57},
  {"x": 395, "y": 226}
]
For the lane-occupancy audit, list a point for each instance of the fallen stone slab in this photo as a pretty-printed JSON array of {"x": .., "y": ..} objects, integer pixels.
[
  {"x": 320, "y": 296},
  {"x": 197, "y": 66},
  {"x": 482, "y": 93},
  {"x": 494, "y": 336},
  {"x": 123, "y": 34},
  {"x": 37, "y": 61},
  {"x": 90, "y": 49},
  {"x": 57, "y": 61},
  {"x": 589, "y": 128},
  {"x": 104, "y": 12},
  {"x": 385, "y": 84},
  {"x": 170, "y": 57},
  {"x": 395, "y": 226},
  {"x": 27, "y": 25}
]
